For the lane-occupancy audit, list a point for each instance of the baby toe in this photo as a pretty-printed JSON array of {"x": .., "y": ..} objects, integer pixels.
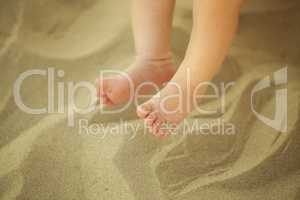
[
  {"x": 151, "y": 119},
  {"x": 103, "y": 85},
  {"x": 106, "y": 101},
  {"x": 161, "y": 133},
  {"x": 165, "y": 129},
  {"x": 144, "y": 110},
  {"x": 156, "y": 127}
]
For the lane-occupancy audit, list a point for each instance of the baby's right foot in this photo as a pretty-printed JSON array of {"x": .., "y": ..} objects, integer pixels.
[{"x": 117, "y": 89}]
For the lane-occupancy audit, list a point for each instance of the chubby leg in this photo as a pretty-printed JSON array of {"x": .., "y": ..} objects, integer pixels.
[
  {"x": 214, "y": 27},
  {"x": 151, "y": 21}
]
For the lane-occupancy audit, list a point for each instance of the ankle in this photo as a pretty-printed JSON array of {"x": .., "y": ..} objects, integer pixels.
[{"x": 153, "y": 58}]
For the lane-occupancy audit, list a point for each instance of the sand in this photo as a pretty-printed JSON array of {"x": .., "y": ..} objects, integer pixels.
[{"x": 42, "y": 158}]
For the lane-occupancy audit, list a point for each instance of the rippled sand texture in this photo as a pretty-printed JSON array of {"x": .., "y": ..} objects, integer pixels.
[{"x": 42, "y": 158}]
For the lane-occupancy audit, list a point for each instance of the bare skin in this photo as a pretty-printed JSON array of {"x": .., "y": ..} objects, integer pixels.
[
  {"x": 116, "y": 90},
  {"x": 151, "y": 22},
  {"x": 214, "y": 27}
]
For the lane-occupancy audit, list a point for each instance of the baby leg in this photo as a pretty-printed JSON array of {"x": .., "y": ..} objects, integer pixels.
[
  {"x": 152, "y": 21},
  {"x": 214, "y": 26}
]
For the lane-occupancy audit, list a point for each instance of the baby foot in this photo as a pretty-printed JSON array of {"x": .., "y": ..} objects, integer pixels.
[
  {"x": 164, "y": 111},
  {"x": 118, "y": 89},
  {"x": 167, "y": 109}
]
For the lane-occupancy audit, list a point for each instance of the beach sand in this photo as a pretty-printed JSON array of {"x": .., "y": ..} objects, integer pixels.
[{"x": 41, "y": 157}]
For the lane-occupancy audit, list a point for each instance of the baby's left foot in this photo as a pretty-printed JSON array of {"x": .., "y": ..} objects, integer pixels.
[
  {"x": 156, "y": 115},
  {"x": 167, "y": 109}
]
